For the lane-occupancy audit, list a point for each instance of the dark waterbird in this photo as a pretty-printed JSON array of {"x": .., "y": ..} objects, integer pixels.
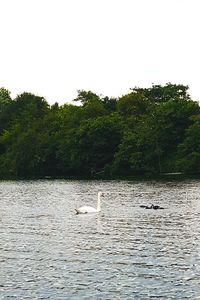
[{"x": 152, "y": 206}]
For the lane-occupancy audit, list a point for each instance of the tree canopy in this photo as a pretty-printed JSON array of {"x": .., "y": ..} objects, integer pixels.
[{"x": 147, "y": 131}]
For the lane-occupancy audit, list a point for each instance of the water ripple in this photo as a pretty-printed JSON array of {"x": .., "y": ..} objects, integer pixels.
[{"x": 126, "y": 252}]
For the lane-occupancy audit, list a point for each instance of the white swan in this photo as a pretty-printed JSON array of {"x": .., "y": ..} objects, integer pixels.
[{"x": 89, "y": 209}]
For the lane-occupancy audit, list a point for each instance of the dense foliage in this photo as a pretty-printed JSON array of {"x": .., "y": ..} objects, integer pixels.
[{"x": 148, "y": 131}]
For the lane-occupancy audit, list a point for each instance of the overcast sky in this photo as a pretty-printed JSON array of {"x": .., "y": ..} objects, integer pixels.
[{"x": 52, "y": 48}]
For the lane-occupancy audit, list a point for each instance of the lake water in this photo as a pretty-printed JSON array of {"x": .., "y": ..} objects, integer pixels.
[{"x": 125, "y": 252}]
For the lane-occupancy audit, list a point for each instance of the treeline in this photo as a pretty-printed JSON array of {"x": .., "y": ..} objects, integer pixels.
[{"x": 148, "y": 131}]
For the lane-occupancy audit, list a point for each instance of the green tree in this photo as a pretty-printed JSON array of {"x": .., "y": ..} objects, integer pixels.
[
  {"x": 5, "y": 99},
  {"x": 132, "y": 104},
  {"x": 150, "y": 144},
  {"x": 91, "y": 147},
  {"x": 188, "y": 156},
  {"x": 158, "y": 93}
]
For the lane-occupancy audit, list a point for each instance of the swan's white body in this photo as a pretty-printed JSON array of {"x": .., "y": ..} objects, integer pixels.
[{"x": 90, "y": 209}]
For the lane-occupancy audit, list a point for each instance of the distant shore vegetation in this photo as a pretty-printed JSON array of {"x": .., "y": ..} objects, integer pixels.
[{"x": 148, "y": 131}]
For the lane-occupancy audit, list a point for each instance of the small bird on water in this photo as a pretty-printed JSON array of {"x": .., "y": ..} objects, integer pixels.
[{"x": 152, "y": 206}]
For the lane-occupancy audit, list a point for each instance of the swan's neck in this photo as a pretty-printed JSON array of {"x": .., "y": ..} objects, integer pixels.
[{"x": 99, "y": 203}]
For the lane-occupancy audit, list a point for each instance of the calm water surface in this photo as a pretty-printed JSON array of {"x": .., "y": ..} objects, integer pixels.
[{"x": 125, "y": 252}]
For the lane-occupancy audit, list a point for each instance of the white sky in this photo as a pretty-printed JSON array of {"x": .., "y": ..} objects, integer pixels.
[{"x": 52, "y": 48}]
